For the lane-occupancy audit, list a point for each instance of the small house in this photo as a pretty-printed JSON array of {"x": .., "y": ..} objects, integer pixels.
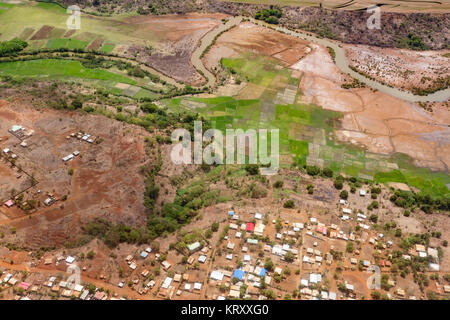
[{"x": 9, "y": 203}]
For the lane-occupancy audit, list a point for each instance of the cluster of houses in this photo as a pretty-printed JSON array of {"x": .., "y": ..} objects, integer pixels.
[
  {"x": 51, "y": 286},
  {"x": 9, "y": 154},
  {"x": 20, "y": 132},
  {"x": 82, "y": 137},
  {"x": 178, "y": 284},
  {"x": 71, "y": 156}
]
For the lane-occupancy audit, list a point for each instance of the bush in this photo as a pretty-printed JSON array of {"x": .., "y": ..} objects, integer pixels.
[
  {"x": 289, "y": 204},
  {"x": 278, "y": 184},
  {"x": 338, "y": 184},
  {"x": 258, "y": 192},
  {"x": 373, "y": 205},
  {"x": 77, "y": 104},
  {"x": 327, "y": 172},
  {"x": 252, "y": 169},
  {"x": 214, "y": 227},
  {"x": 12, "y": 46},
  {"x": 312, "y": 170},
  {"x": 344, "y": 194},
  {"x": 136, "y": 72},
  {"x": 90, "y": 255}
]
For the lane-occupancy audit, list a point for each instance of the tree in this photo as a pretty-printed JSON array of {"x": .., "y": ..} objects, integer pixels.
[
  {"x": 344, "y": 194},
  {"x": 289, "y": 256},
  {"x": 268, "y": 265},
  {"x": 376, "y": 295},
  {"x": 214, "y": 227},
  {"x": 349, "y": 247},
  {"x": 338, "y": 184}
]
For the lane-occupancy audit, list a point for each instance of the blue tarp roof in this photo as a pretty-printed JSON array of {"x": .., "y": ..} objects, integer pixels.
[
  {"x": 230, "y": 213},
  {"x": 238, "y": 273},
  {"x": 262, "y": 273}
]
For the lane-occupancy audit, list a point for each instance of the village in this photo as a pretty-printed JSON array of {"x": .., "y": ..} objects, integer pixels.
[
  {"x": 19, "y": 193},
  {"x": 250, "y": 256},
  {"x": 256, "y": 250},
  {"x": 246, "y": 253}
]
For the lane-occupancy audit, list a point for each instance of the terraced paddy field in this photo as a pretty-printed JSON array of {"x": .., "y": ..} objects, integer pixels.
[
  {"x": 280, "y": 82},
  {"x": 163, "y": 42},
  {"x": 306, "y": 130}
]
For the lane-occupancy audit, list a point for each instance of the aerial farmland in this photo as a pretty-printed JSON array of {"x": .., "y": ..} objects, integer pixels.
[{"x": 102, "y": 170}]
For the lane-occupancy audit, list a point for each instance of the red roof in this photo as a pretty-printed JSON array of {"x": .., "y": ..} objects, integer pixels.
[
  {"x": 322, "y": 230},
  {"x": 99, "y": 295},
  {"x": 24, "y": 285},
  {"x": 250, "y": 226}
]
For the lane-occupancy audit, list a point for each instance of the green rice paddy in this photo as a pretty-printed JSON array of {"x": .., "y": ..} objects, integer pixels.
[
  {"x": 305, "y": 130},
  {"x": 59, "y": 68},
  {"x": 70, "y": 69}
]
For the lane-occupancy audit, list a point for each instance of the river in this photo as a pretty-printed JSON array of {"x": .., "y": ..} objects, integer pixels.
[{"x": 340, "y": 61}]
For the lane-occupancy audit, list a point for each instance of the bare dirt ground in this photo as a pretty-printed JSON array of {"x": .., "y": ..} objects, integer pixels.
[
  {"x": 374, "y": 120},
  {"x": 179, "y": 35},
  {"x": 105, "y": 182},
  {"x": 401, "y": 68},
  {"x": 248, "y": 37}
]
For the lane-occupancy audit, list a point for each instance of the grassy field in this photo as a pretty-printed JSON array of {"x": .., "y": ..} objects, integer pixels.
[
  {"x": 59, "y": 68},
  {"x": 16, "y": 18},
  {"x": 305, "y": 130},
  {"x": 66, "y": 43},
  {"x": 74, "y": 70}
]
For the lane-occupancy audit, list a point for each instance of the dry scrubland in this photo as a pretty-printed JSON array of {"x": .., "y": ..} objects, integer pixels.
[
  {"x": 105, "y": 180},
  {"x": 410, "y": 70}
]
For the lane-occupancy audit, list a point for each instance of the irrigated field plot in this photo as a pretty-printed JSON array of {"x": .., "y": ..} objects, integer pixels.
[
  {"x": 175, "y": 37},
  {"x": 306, "y": 130}
]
